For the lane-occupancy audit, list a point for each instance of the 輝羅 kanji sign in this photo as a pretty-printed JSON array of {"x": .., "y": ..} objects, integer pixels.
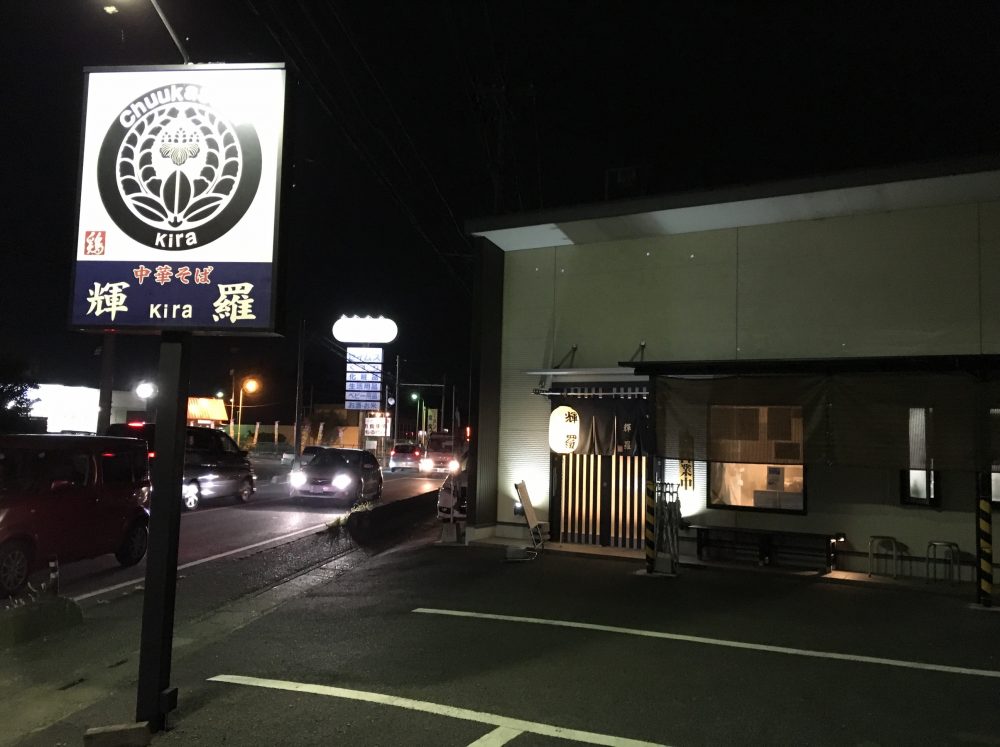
[{"x": 179, "y": 189}]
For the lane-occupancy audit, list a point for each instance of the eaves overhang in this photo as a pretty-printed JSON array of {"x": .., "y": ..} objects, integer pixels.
[
  {"x": 982, "y": 365},
  {"x": 853, "y": 193}
]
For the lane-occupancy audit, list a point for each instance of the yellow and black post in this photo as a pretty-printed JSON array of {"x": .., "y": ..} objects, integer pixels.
[
  {"x": 984, "y": 542},
  {"x": 650, "y": 526}
]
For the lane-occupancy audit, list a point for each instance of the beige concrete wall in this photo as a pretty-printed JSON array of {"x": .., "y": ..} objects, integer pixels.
[{"x": 901, "y": 283}]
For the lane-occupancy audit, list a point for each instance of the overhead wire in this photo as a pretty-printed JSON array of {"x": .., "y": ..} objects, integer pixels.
[
  {"x": 306, "y": 69},
  {"x": 416, "y": 153}
]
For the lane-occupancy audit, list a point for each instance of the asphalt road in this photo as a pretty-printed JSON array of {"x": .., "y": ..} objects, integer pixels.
[
  {"x": 224, "y": 527},
  {"x": 417, "y": 644}
]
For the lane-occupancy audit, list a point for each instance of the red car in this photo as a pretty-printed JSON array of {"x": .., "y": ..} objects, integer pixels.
[{"x": 70, "y": 498}]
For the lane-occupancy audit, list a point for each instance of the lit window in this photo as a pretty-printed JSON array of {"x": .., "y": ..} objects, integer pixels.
[
  {"x": 757, "y": 458},
  {"x": 918, "y": 484}
]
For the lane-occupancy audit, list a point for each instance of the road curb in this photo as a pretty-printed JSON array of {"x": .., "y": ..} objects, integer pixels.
[{"x": 38, "y": 618}]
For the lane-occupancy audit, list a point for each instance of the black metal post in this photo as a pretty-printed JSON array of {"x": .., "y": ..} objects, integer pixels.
[
  {"x": 107, "y": 382},
  {"x": 154, "y": 696},
  {"x": 300, "y": 365}
]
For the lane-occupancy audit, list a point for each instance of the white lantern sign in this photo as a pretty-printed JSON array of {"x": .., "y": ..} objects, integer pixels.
[{"x": 564, "y": 430}]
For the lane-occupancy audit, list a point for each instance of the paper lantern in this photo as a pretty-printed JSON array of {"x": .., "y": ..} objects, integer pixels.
[{"x": 564, "y": 430}]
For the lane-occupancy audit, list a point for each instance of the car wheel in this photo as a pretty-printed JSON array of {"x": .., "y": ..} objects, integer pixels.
[
  {"x": 246, "y": 490},
  {"x": 359, "y": 495},
  {"x": 133, "y": 547},
  {"x": 378, "y": 494},
  {"x": 190, "y": 497},
  {"x": 15, "y": 560}
]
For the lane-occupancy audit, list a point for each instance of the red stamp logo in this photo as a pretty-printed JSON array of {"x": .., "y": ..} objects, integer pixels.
[{"x": 93, "y": 243}]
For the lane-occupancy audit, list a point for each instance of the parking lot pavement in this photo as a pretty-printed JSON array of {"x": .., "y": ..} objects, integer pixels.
[{"x": 450, "y": 645}]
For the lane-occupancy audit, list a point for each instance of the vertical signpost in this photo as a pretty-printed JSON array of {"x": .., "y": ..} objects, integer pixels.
[
  {"x": 363, "y": 386},
  {"x": 177, "y": 234}
]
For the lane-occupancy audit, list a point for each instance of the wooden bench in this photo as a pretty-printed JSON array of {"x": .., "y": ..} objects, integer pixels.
[{"x": 766, "y": 546}]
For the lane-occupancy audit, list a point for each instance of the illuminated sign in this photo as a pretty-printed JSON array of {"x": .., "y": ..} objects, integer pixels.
[
  {"x": 363, "y": 389},
  {"x": 564, "y": 430},
  {"x": 179, "y": 184},
  {"x": 366, "y": 329}
]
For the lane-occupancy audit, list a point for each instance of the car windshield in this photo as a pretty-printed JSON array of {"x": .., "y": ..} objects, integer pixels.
[
  {"x": 437, "y": 443},
  {"x": 404, "y": 448},
  {"x": 328, "y": 459}
]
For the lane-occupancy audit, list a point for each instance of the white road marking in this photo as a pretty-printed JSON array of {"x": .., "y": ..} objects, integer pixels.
[
  {"x": 717, "y": 642},
  {"x": 510, "y": 724},
  {"x": 193, "y": 563},
  {"x": 500, "y": 735}
]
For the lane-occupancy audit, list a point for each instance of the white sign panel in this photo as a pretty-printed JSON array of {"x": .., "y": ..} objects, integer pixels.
[
  {"x": 377, "y": 426},
  {"x": 179, "y": 185},
  {"x": 364, "y": 355}
]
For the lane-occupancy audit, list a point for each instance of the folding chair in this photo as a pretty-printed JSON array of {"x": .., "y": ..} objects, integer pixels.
[{"x": 536, "y": 529}]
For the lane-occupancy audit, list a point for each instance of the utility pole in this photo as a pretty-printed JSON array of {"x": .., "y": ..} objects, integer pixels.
[
  {"x": 395, "y": 418},
  {"x": 298, "y": 388}
]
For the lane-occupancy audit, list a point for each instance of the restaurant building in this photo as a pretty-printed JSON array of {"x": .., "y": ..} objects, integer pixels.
[{"x": 817, "y": 357}]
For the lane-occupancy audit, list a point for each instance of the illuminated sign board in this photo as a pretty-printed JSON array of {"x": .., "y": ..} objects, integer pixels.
[
  {"x": 179, "y": 186},
  {"x": 364, "y": 329},
  {"x": 363, "y": 389}
]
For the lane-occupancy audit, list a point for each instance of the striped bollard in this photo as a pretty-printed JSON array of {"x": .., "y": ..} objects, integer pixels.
[
  {"x": 984, "y": 569},
  {"x": 53, "y": 586},
  {"x": 650, "y": 526}
]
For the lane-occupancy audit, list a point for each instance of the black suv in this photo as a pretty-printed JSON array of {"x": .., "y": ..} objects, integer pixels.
[{"x": 213, "y": 464}]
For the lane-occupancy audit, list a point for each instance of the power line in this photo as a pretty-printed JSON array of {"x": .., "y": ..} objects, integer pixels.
[
  {"x": 399, "y": 121},
  {"x": 306, "y": 69}
]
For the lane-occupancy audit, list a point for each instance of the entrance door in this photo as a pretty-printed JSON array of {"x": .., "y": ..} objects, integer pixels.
[{"x": 601, "y": 500}]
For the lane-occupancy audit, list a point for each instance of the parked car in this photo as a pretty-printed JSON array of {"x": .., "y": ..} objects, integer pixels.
[
  {"x": 404, "y": 456},
  {"x": 214, "y": 466},
  {"x": 70, "y": 498},
  {"x": 349, "y": 475}
]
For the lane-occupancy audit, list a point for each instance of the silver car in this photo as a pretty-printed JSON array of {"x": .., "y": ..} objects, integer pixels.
[
  {"x": 349, "y": 476},
  {"x": 405, "y": 456}
]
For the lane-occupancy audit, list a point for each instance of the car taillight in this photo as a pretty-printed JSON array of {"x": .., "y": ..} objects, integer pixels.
[
  {"x": 392, "y": 453},
  {"x": 416, "y": 452},
  {"x": 151, "y": 454}
]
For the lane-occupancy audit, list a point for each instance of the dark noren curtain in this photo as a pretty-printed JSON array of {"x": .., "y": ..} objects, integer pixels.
[{"x": 610, "y": 425}]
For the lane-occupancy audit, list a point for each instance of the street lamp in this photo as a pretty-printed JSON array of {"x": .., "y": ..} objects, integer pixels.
[
  {"x": 250, "y": 385},
  {"x": 144, "y": 390},
  {"x": 419, "y": 401}
]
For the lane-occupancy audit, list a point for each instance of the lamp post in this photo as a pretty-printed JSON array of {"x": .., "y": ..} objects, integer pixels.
[
  {"x": 421, "y": 412},
  {"x": 250, "y": 385}
]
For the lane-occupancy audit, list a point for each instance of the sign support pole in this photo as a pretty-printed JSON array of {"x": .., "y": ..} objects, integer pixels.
[{"x": 154, "y": 696}]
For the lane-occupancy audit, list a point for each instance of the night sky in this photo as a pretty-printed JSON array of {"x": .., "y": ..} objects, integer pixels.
[{"x": 410, "y": 117}]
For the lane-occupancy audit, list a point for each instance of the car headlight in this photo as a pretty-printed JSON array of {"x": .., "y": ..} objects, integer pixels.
[
  {"x": 426, "y": 465},
  {"x": 297, "y": 478},
  {"x": 341, "y": 481},
  {"x": 453, "y": 465}
]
